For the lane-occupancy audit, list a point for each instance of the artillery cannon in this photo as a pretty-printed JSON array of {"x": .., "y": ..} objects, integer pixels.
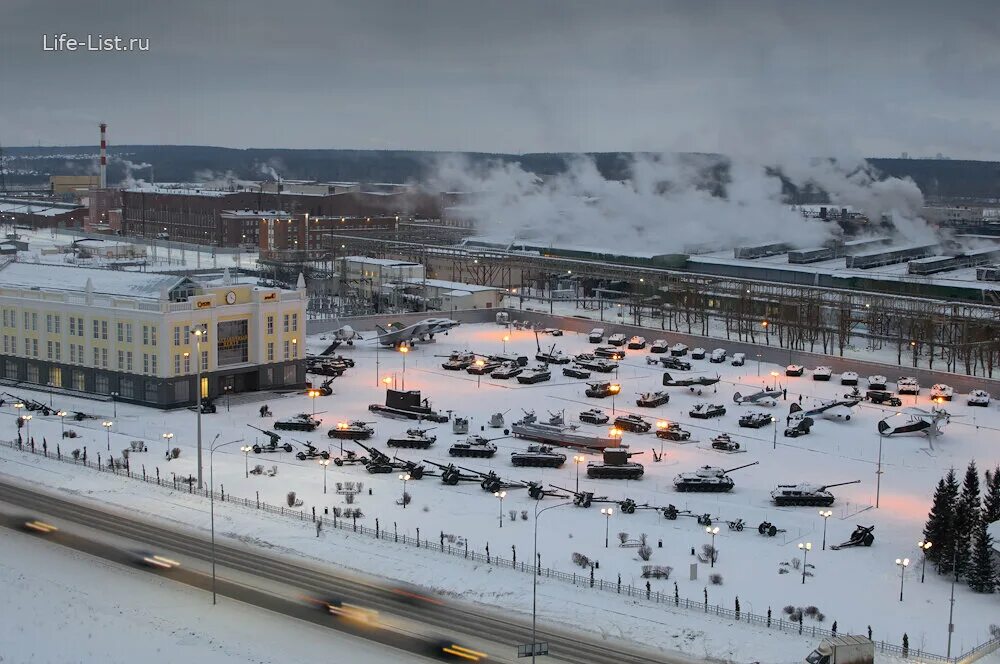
[
  {"x": 537, "y": 491},
  {"x": 708, "y": 479},
  {"x": 491, "y": 481},
  {"x": 325, "y": 388},
  {"x": 452, "y": 474},
  {"x": 584, "y": 498},
  {"x": 380, "y": 463},
  {"x": 670, "y": 512},
  {"x": 862, "y": 536},
  {"x": 805, "y": 494},
  {"x": 768, "y": 529},
  {"x": 351, "y": 458},
  {"x": 629, "y": 506},
  {"x": 311, "y": 452},
  {"x": 272, "y": 444}
]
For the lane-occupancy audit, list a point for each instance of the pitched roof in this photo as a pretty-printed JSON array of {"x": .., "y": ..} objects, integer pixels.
[{"x": 74, "y": 279}]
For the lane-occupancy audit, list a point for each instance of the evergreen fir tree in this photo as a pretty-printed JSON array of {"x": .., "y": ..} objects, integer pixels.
[
  {"x": 991, "y": 497},
  {"x": 966, "y": 519},
  {"x": 939, "y": 529},
  {"x": 982, "y": 573}
]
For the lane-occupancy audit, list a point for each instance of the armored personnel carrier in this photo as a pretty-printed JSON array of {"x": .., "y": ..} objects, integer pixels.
[
  {"x": 616, "y": 465},
  {"x": 415, "y": 438},
  {"x": 594, "y": 416},
  {"x": 355, "y": 430},
  {"x": 575, "y": 371},
  {"x": 805, "y": 494},
  {"x": 473, "y": 446},
  {"x": 708, "y": 479},
  {"x": 300, "y": 422},
  {"x": 633, "y": 423},
  {"x": 538, "y": 456},
  {"x": 652, "y": 399}
]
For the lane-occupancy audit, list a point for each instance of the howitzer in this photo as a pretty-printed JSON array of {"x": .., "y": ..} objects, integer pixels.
[
  {"x": 584, "y": 498},
  {"x": 452, "y": 475},
  {"x": 629, "y": 506},
  {"x": 378, "y": 461},
  {"x": 862, "y": 536},
  {"x": 490, "y": 481},
  {"x": 537, "y": 491}
]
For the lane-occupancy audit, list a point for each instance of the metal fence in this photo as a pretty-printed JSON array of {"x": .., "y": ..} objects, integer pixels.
[{"x": 585, "y": 578}]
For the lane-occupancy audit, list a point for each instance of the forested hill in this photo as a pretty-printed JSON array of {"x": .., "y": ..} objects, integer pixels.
[{"x": 937, "y": 178}]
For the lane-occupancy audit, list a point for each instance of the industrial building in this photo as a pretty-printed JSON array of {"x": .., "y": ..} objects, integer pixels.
[
  {"x": 41, "y": 213},
  {"x": 132, "y": 335}
]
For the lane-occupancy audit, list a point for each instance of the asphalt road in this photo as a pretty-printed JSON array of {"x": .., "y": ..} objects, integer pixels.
[{"x": 235, "y": 563}]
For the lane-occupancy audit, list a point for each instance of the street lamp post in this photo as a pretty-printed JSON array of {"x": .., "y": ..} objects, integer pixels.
[
  {"x": 614, "y": 388},
  {"x": 878, "y": 471},
  {"x": 577, "y": 460},
  {"x": 500, "y": 495},
  {"x": 27, "y": 423},
  {"x": 713, "y": 531},
  {"x": 62, "y": 422},
  {"x": 324, "y": 463},
  {"x": 506, "y": 338},
  {"x": 805, "y": 548},
  {"x": 903, "y": 563},
  {"x": 198, "y": 334},
  {"x": 404, "y": 350},
  {"x": 923, "y": 545},
  {"x": 211, "y": 499},
  {"x": 758, "y": 364},
  {"x": 537, "y": 573},
  {"x": 826, "y": 514},
  {"x": 312, "y": 395},
  {"x": 167, "y": 437},
  {"x": 114, "y": 405},
  {"x": 480, "y": 363},
  {"x": 107, "y": 424},
  {"x": 246, "y": 459},
  {"x": 406, "y": 478},
  {"x": 774, "y": 434},
  {"x": 607, "y": 512},
  {"x": 774, "y": 380}
]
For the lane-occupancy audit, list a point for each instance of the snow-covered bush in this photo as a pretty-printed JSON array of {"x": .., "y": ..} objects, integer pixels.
[
  {"x": 796, "y": 563},
  {"x": 645, "y": 552},
  {"x": 715, "y": 579},
  {"x": 406, "y": 498},
  {"x": 788, "y": 610},
  {"x": 622, "y": 537},
  {"x": 524, "y": 515},
  {"x": 513, "y": 515},
  {"x": 76, "y": 455},
  {"x": 580, "y": 559},
  {"x": 642, "y": 539},
  {"x": 174, "y": 453},
  {"x": 290, "y": 498},
  {"x": 349, "y": 498}
]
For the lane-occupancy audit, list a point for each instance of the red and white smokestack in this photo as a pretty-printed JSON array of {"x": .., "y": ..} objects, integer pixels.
[{"x": 104, "y": 156}]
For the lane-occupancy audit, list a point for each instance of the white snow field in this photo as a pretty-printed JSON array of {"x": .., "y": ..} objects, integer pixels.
[
  {"x": 61, "y": 605},
  {"x": 856, "y": 587}
]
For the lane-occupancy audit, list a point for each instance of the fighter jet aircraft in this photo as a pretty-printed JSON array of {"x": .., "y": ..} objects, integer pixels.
[
  {"x": 926, "y": 422},
  {"x": 694, "y": 383},
  {"x": 829, "y": 410},
  {"x": 764, "y": 397},
  {"x": 345, "y": 334},
  {"x": 423, "y": 330}
]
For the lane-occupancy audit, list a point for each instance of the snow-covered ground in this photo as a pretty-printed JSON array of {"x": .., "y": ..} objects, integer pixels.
[
  {"x": 65, "y": 606},
  {"x": 856, "y": 587}
]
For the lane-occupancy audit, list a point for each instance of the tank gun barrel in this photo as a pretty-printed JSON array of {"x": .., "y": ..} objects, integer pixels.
[
  {"x": 746, "y": 465},
  {"x": 827, "y": 486}
]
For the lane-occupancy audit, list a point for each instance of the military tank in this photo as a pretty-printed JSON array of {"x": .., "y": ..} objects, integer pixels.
[
  {"x": 415, "y": 438},
  {"x": 672, "y": 431},
  {"x": 805, "y": 494},
  {"x": 473, "y": 446},
  {"x": 652, "y": 399},
  {"x": 633, "y": 423},
  {"x": 616, "y": 465},
  {"x": 538, "y": 456},
  {"x": 355, "y": 430},
  {"x": 599, "y": 390},
  {"x": 708, "y": 479},
  {"x": 594, "y": 416},
  {"x": 300, "y": 422}
]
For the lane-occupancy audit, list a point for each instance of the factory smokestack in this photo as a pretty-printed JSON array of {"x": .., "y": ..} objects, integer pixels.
[{"x": 104, "y": 156}]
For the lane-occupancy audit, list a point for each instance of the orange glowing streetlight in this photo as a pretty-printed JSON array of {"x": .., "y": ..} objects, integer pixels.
[
  {"x": 614, "y": 389},
  {"x": 506, "y": 338},
  {"x": 404, "y": 350}
]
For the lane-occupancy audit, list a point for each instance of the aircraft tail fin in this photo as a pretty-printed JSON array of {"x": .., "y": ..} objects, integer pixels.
[
  {"x": 737, "y": 398},
  {"x": 794, "y": 408}
]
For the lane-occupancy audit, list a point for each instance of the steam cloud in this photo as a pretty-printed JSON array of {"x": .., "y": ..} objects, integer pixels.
[{"x": 670, "y": 203}]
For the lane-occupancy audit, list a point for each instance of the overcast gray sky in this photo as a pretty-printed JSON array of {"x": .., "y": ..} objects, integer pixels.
[{"x": 872, "y": 78}]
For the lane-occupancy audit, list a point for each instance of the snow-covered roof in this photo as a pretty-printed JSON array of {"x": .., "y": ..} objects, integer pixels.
[
  {"x": 74, "y": 279},
  {"x": 256, "y": 213},
  {"x": 452, "y": 285},
  {"x": 38, "y": 208},
  {"x": 380, "y": 261},
  {"x": 179, "y": 191}
]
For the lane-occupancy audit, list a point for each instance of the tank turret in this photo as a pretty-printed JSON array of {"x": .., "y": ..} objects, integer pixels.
[
  {"x": 810, "y": 495},
  {"x": 708, "y": 479}
]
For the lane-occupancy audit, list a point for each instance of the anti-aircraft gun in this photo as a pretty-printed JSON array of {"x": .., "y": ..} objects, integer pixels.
[
  {"x": 708, "y": 479},
  {"x": 805, "y": 494},
  {"x": 273, "y": 443},
  {"x": 310, "y": 452}
]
